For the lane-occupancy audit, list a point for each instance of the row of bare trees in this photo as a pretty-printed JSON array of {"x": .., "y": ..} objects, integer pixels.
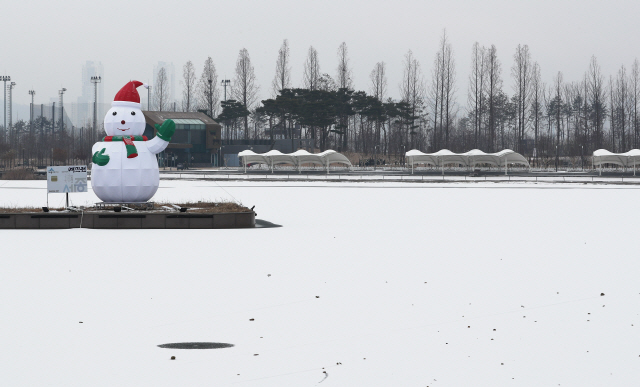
[
  {"x": 535, "y": 118},
  {"x": 517, "y": 110},
  {"x": 197, "y": 93},
  {"x": 45, "y": 142}
]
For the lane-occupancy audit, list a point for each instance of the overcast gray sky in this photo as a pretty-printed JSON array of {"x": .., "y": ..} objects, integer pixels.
[{"x": 45, "y": 43}]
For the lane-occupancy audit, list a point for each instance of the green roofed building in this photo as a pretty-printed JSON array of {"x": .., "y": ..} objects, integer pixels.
[{"x": 195, "y": 142}]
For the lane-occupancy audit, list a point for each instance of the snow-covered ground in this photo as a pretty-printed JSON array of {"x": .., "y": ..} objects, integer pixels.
[{"x": 378, "y": 284}]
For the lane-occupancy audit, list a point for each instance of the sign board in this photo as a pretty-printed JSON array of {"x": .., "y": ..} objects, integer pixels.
[{"x": 71, "y": 178}]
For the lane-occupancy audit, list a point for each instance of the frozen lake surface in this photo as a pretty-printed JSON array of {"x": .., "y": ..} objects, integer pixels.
[{"x": 378, "y": 284}]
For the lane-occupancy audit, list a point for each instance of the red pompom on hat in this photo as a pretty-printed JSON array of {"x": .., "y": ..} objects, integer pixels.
[{"x": 128, "y": 95}]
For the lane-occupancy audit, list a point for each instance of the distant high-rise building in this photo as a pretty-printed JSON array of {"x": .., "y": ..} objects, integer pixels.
[
  {"x": 83, "y": 114},
  {"x": 171, "y": 75}
]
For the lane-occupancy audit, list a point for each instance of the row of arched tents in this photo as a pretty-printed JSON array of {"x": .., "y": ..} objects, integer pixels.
[
  {"x": 627, "y": 159},
  {"x": 468, "y": 159},
  {"x": 296, "y": 159}
]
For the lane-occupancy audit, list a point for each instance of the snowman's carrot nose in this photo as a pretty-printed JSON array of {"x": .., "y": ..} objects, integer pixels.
[{"x": 122, "y": 122}]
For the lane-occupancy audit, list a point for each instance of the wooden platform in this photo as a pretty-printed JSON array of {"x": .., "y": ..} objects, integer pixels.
[{"x": 121, "y": 220}]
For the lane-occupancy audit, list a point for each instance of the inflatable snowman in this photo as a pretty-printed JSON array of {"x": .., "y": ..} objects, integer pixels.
[{"x": 125, "y": 169}]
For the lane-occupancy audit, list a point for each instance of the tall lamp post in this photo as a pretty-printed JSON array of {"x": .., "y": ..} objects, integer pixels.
[
  {"x": 5, "y": 79},
  {"x": 61, "y": 92},
  {"x": 11, "y": 86},
  {"x": 95, "y": 80},
  {"x": 149, "y": 98},
  {"x": 32, "y": 93},
  {"x": 225, "y": 83},
  {"x": 375, "y": 156}
]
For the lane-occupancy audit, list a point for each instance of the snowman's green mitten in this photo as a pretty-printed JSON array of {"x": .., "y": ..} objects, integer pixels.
[
  {"x": 100, "y": 158},
  {"x": 166, "y": 130}
]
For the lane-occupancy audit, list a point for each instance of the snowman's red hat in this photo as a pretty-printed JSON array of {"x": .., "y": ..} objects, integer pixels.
[{"x": 128, "y": 96}]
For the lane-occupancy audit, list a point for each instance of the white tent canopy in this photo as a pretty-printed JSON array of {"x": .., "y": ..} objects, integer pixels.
[
  {"x": 627, "y": 159},
  {"x": 469, "y": 159},
  {"x": 297, "y": 158},
  {"x": 332, "y": 157},
  {"x": 251, "y": 157}
]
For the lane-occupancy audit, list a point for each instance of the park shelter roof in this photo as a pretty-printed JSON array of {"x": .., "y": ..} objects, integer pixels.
[
  {"x": 332, "y": 157},
  {"x": 251, "y": 157},
  {"x": 470, "y": 158},
  {"x": 627, "y": 159},
  {"x": 297, "y": 158}
]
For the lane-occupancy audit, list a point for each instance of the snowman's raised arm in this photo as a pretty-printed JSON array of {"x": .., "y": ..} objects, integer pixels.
[
  {"x": 161, "y": 140},
  {"x": 157, "y": 145}
]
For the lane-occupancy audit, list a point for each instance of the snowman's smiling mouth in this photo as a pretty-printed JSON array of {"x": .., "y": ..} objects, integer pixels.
[{"x": 123, "y": 130}]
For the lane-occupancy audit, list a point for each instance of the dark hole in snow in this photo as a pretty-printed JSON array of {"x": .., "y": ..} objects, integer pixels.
[{"x": 195, "y": 345}]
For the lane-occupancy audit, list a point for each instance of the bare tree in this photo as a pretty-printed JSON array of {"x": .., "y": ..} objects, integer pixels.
[
  {"x": 612, "y": 109},
  {"x": 208, "y": 93},
  {"x": 378, "y": 77},
  {"x": 161, "y": 90},
  {"x": 494, "y": 90},
  {"x": 344, "y": 76},
  {"x": 281, "y": 81},
  {"x": 521, "y": 73},
  {"x": 476, "y": 89},
  {"x": 188, "y": 87},
  {"x": 312, "y": 74},
  {"x": 537, "y": 91},
  {"x": 597, "y": 100},
  {"x": 378, "y": 89},
  {"x": 412, "y": 91},
  {"x": 244, "y": 87},
  {"x": 442, "y": 92},
  {"x": 344, "y": 80},
  {"x": 622, "y": 105},
  {"x": 282, "y": 78},
  {"x": 558, "y": 110}
]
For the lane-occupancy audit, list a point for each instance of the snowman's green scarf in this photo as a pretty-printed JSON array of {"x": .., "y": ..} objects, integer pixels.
[{"x": 128, "y": 143}]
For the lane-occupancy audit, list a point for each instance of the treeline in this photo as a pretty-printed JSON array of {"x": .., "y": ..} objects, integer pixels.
[
  {"x": 500, "y": 108},
  {"x": 45, "y": 142}
]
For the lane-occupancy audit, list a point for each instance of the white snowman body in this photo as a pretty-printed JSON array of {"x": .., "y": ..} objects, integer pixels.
[{"x": 122, "y": 179}]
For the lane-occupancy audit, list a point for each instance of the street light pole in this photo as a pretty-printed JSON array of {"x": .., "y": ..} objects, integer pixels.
[
  {"x": 5, "y": 79},
  {"x": 61, "y": 92},
  {"x": 11, "y": 85},
  {"x": 375, "y": 156},
  {"x": 32, "y": 93},
  {"x": 95, "y": 80},
  {"x": 225, "y": 83},
  {"x": 149, "y": 98}
]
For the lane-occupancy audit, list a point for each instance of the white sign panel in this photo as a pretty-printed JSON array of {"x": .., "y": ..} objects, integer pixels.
[{"x": 71, "y": 178}]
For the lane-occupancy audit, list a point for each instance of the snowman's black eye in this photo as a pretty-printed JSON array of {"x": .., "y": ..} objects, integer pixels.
[
  {"x": 133, "y": 113},
  {"x": 114, "y": 113}
]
